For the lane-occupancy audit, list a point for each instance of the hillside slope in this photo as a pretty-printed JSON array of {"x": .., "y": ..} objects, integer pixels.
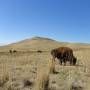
[{"x": 40, "y": 43}]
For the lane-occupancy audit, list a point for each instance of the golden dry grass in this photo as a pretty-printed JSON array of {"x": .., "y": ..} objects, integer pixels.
[
  {"x": 29, "y": 70},
  {"x": 35, "y": 67},
  {"x": 20, "y": 68}
]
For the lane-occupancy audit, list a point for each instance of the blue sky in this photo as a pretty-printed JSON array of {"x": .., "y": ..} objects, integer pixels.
[{"x": 62, "y": 20}]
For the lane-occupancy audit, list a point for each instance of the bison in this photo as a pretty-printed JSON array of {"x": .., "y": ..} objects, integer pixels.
[
  {"x": 12, "y": 51},
  {"x": 39, "y": 51},
  {"x": 64, "y": 54}
]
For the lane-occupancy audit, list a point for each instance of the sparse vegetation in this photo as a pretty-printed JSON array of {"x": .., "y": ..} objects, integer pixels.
[
  {"x": 4, "y": 79},
  {"x": 42, "y": 82},
  {"x": 27, "y": 83},
  {"x": 29, "y": 70}
]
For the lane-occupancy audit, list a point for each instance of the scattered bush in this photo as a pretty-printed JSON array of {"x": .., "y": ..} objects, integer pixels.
[{"x": 27, "y": 83}]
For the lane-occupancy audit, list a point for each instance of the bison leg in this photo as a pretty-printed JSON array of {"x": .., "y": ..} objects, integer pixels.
[
  {"x": 71, "y": 62},
  {"x": 60, "y": 61},
  {"x": 64, "y": 62},
  {"x": 74, "y": 61},
  {"x": 70, "y": 59}
]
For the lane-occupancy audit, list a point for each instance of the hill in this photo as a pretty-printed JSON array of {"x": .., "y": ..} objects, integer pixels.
[{"x": 41, "y": 43}]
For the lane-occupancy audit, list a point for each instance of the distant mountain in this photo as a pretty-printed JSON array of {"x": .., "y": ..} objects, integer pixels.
[
  {"x": 1, "y": 44},
  {"x": 41, "y": 43}
]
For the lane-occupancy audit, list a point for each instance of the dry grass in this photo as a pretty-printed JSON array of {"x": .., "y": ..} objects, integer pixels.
[
  {"x": 42, "y": 81},
  {"x": 32, "y": 70},
  {"x": 25, "y": 71},
  {"x": 16, "y": 69},
  {"x": 44, "y": 68}
]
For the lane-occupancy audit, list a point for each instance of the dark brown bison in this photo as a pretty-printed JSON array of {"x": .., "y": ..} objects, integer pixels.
[
  {"x": 14, "y": 51},
  {"x": 64, "y": 54},
  {"x": 39, "y": 51},
  {"x": 10, "y": 51}
]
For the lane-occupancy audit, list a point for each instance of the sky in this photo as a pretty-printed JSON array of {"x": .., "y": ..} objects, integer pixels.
[{"x": 62, "y": 20}]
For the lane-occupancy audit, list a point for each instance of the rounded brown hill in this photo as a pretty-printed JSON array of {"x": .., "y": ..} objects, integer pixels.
[{"x": 41, "y": 43}]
